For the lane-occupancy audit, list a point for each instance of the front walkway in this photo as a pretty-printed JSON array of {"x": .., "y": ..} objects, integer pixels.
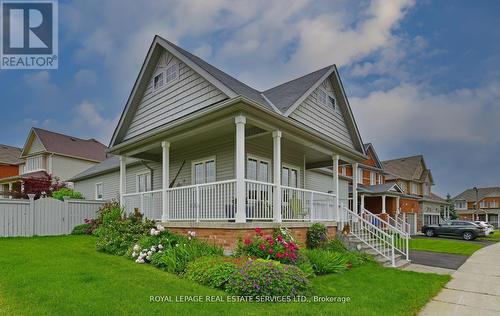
[{"x": 474, "y": 288}]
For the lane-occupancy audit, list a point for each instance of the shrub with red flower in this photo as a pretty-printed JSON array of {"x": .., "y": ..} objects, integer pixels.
[{"x": 279, "y": 246}]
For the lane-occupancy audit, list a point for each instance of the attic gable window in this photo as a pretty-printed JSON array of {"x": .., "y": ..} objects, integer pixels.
[
  {"x": 172, "y": 73},
  {"x": 326, "y": 98},
  {"x": 158, "y": 81}
]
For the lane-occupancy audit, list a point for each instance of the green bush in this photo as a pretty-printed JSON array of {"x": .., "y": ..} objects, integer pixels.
[
  {"x": 62, "y": 192},
  {"x": 170, "y": 252},
  {"x": 118, "y": 232},
  {"x": 83, "y": 229},
  {"x": 355, "y": 258},
  {"x": 213, "y": 271},
  {"x": 268, "y": 278},
  {"x": 317, "y": 236},
  {"x": 325, "y": 262}
]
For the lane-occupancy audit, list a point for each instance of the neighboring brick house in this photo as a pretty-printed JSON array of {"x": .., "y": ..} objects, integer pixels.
[
  {"x": 420, "y": 205},
  {"x": 488, "y": 208},
  {"x": 9, "y": 169}
]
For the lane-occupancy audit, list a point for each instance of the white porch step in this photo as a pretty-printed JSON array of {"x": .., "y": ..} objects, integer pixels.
[{"x": 400, "y": 260}]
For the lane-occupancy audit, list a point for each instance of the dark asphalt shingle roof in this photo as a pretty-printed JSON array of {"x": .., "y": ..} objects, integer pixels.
[
  {"x": 10, "y": 155},
  {"x": 470, "y": 195},
  {"x": 71, "y": 146},
  {"x": 286, "y": 94},
  {"x": 377, "y": 188},
  {"x": 108, "y": 165}
]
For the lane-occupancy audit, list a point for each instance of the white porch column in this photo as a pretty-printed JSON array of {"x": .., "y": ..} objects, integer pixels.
[
  {"x": 362, "y": 202},
  {"x": 336, "y": 185},
  {"x": 355, "y": 187},
  {"x": 240, "y": 215},
  {"x": 123, "y": 178},
  {"x": 383, "y": 204},
  {"x": 277, "y": 175},
  {"x": 10, "y": 189},
  {"x": 165, "y": 179}
]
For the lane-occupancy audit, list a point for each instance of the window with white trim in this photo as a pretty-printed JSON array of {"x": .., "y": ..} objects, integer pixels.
[
  {"x": 493, "y": 204},
  {"x": 360, "y": 175},
  {"x": 143, "y": 181},
  {"x": 326, "y": 98},
  {"x": 204, "y": 171},
  {"x": 379, "y": 178},
  {"x": 414, "y": 188},
  {"x": 258, "y": 169},
  {"x": 373, "y": 178},
  {"x": 171, "y": 73},
  {"x": 158, "y": 81},
  {"x": 34, "y": 163},
  {"x": 290, "y": 176},
  {"x": 483, "y": 204},
  {"x": 343, "y": 171},
  {"x": 98, "y": 191}
]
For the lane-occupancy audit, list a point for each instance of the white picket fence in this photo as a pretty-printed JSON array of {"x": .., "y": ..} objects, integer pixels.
[{"x": 44, "y": 217}]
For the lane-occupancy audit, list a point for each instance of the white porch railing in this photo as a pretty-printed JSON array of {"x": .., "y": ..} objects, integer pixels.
[
  {"x": 371, "y": 235},
  {"x": 217, "y": 201},
  {"x": 302, "y": 205},
  {"x": 401, "y": 238},
  {"x": 400, "y": 223}
]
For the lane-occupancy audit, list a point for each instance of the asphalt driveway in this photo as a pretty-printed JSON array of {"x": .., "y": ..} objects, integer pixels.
[{"x": 437, "y": 259}]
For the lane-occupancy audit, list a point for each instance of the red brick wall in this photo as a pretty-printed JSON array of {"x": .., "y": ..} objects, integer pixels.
[
  {"x": 228, "y": 237},
  {"x": 409, "y": 205},
  {"x": 8, "y": 171}
]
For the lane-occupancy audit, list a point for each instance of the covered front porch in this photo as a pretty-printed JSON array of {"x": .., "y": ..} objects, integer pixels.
[{"x": 239, "y": 168}]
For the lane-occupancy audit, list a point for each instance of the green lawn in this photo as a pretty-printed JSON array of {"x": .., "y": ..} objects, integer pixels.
[
  {"x": 493, "y": 237},
  {"x": 445, "y": 245},
  {"x": 66, "y": 276}
]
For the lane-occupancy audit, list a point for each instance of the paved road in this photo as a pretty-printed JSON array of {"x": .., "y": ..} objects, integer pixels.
[
  {"x": 437, "y": 259},
  {"x": 474, "y": 288}
]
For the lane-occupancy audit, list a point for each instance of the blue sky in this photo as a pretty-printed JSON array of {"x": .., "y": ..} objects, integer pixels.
[{"x": 421, "y": 77}]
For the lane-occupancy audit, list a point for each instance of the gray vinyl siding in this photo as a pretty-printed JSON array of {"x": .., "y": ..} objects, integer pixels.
[
  {"x": 323, "y": 118},
  {"x": 189, "y": 93},
  {"x": 318, "y": 181},
  {"x": 110, "y": 186}
]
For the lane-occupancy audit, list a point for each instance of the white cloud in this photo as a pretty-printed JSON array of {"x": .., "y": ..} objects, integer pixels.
[
  {"x": 408, "y": 113},
  {"x": 89, "y": 122}
]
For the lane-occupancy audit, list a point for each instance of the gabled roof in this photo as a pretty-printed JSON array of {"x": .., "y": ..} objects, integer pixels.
[
  {"x": 369, "y": 147},
  {"x": 281, "y": 99},
  {"x": 287, "y": 94},
  {"x": 10, "y": 155},
  {"x": 469, "y": 195},
  {"x": 57, "y": 143},
  {"x": 108, "y": 165},
  {"x": 381, "y": 188},
  {"x": 407, "y": 168}
]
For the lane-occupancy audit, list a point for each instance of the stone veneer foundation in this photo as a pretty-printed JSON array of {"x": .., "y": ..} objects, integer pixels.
[{"x": 227, "y": 234}]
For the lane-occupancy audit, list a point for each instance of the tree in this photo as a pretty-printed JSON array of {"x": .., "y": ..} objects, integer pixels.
[
  {"x": 451, "y": 205},
  {"x": 41, "y": 186}
]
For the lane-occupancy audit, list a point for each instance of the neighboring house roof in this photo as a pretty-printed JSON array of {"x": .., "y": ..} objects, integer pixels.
[
  {"x": 281, "y": 99},
  {"x": 407, "y": 168},
  {"x": 434, "y": 198},
  {"x": 108, "y": 165},
  {"x": 469, "y": 195},
  {"x": 381, "y": 188},
  {"x": 369, "y": 147},
  {"x": 89, "y": 149},
  {"x": 10, "y": 155}
]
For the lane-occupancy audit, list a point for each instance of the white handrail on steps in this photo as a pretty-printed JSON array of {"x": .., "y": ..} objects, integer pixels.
[
  {"x": 401, "y": 243},
  {"x": 400, "y": 222},
  {"x": 369, "y": 234}
]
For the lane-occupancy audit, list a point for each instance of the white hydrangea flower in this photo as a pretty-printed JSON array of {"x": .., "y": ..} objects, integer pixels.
[
  {"x": 134, "y": 254},
  {"x": 160, "y": 246},
  {"x": 177, "y": 245},
  {"x": 137, "y": 248},
  {"x": 150, "y": 253},
  {"x": 148, "y": 258}
]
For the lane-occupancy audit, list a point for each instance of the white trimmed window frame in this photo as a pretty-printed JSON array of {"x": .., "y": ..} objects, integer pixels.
[
  {"x": 147, "y": 181},
  {"x": 373, "y": 178},
  {"x": 203, "y": 161},
  {"x": 324, "y": 97},
  {"x": 169, "y": 75},
  {"x": 97, "y": 191},
  {"x": 291, "y": 167},
  {"x": 259, "y": 160}
]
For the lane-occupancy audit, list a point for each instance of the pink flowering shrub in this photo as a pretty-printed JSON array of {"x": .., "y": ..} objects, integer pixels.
[{"x": 279, "y": 247}]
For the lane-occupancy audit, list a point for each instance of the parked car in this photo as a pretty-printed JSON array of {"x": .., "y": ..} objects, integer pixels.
[
  {"x": 464, "y": 229},
  {"x": 490, "y": 229}
]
